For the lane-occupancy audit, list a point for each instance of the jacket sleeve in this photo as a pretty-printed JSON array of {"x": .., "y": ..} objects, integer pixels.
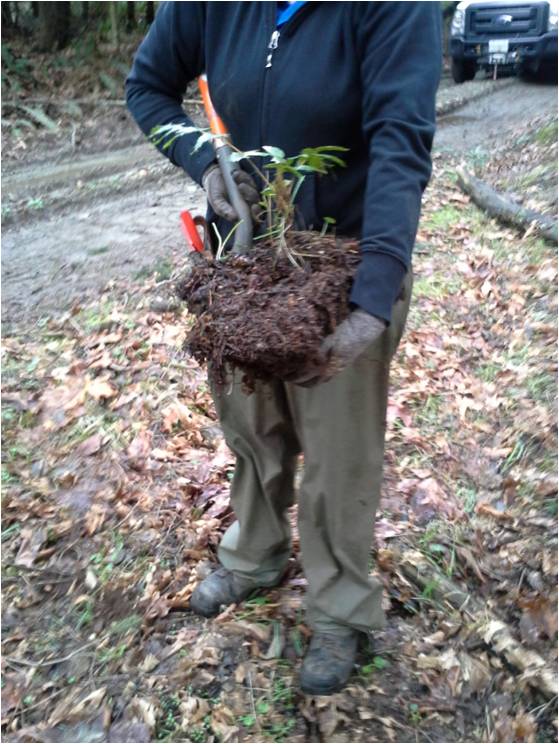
[
  {"x": 170, "y": 57},
  {"x": 400, "y": 53}
]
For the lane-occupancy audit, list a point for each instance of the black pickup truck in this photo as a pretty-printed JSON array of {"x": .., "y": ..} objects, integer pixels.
[{"x": 489, "y": 33}]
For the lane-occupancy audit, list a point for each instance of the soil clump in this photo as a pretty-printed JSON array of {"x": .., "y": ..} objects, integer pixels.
[{"x": 264, "y": 315}]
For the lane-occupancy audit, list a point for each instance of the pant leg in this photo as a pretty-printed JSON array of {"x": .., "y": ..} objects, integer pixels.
[
  {"x": 341, "y": 426},
  {"x": 258, "y": 429}
]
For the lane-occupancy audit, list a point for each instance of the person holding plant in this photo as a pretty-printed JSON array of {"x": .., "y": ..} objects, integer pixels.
[{"x": 361, "y": 76}]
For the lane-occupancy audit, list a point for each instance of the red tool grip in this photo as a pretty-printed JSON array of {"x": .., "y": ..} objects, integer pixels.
[{"x": 190, "y": 230}]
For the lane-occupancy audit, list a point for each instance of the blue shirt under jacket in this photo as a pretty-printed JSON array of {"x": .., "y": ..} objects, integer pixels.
[{"x": 287, "y": 10}]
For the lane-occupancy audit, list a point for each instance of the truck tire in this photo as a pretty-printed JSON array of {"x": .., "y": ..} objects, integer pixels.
[
  {"x": 547, "y": 71},
  {"x": 463, "y": 70}
]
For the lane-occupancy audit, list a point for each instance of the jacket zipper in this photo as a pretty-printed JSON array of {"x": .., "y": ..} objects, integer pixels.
[{"x": 273, "y": 45}]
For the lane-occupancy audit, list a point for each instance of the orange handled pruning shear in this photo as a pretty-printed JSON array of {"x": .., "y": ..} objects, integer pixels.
[{"x": 223, "y": 150}]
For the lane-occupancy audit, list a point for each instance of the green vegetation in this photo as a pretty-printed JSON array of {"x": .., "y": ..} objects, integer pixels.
[
  {"x": 169, "y": 720},
  {"x": 436, "y": 286},
  {"x": 282, "y": 177},
  {"x": 161, "y": 270},
  {"x": 378, "y": 664},
  {"x": 547, "y": 134},
  {"x": 443, "y": 218},
  {"x": 414, "y": 715},
  {"x": 85, "y": 614},
  {"x": 113, "y": 654}
]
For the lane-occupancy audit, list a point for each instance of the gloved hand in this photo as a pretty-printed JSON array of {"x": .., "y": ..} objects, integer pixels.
[
  {"x": 216, "y": 191},
  {"x": 350, "y": 339}
]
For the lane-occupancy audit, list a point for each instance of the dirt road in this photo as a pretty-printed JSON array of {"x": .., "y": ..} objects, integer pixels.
[
  {"x": 488, "y": 120},
  {"x": 75, "y": 225}
]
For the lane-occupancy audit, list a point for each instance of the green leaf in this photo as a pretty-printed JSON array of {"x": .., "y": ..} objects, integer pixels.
[
  {"x": 247, "y": 721},
  {"x": 202, "y": 139},
  {"x": 275, "y": 152},
  {"x": 437, "y": 548},
  {"x": 39, "y": 115},
  {"x": 168, "y": 133},
  {"x": 249, "y": 154},
  {"x": 380, "y": 663},
  {"x": 331, "y": 148},
  {"x": 110, "y": 83},
  {"x": 334, "y": 160}
]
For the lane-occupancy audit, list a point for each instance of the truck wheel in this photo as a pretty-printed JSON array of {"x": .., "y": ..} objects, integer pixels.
[
  {"x": 463, "y": 70},
  {"x": 547, "y": 71}
]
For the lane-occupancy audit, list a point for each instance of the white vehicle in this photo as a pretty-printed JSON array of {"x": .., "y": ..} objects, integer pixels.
[{"x": 485, "y": 33}]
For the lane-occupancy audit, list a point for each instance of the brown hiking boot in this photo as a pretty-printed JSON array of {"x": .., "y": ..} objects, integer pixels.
[
  {"x": 328, "y": 663},
  {"x": 221, "y": 587}
]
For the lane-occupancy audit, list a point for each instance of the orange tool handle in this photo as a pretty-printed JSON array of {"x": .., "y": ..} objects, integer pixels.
[{"x": 216, "y": 125}]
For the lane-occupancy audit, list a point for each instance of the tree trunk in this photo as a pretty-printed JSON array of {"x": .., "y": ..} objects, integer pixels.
[
  {"x": 35, "y": 9},
  {"x": 7, "y": 20},
  {"x": 114, "y": 24},
  {"x": 150, "y": 13},
  {"x": 54, "y": 25},
  {"x": 85, "y": 11},
  {"x": 130, "y": 16},
  {"x": 16, "y": 16}
]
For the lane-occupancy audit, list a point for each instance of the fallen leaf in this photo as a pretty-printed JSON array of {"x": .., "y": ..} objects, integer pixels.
[
  {"x": 258, "y": 631},
  {"x": 139, "y": 449},
  {"x": 149, "y": 663},
  {"x": 95, "y": 518},
  {"x": 525, "y": 727},
  {"x": 91, "y": 445},
  {"x": 176, "y": 413},
  {"x": 485, "y": 509},
  {"x": 31, "y": 542},
  {"x": 193, "y": 710},
  {"x": 101, "y": 389},
  {"x": 430, "y": 501},
  {"x": 144, "y": 709}
]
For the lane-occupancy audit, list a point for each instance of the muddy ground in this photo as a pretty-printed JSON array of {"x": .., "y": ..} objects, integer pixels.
[{"x": 75, "y": 222}]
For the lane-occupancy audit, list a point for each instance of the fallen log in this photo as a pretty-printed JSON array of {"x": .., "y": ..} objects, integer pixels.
[
  {"x": 504, "y": 210},
  {"x": 494, "y": 632}
]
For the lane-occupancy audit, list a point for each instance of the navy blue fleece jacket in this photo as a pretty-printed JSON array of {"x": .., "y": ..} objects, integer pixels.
[{"x": 358, "y": 74}]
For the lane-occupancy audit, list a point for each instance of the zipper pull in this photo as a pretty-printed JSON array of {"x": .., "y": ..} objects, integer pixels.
[{"x": 274, "y": 40}]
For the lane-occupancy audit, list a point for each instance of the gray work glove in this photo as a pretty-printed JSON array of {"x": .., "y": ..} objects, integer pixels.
[
  {"x": 216, "y": 191},
  {"x": 350, "y": 339}
]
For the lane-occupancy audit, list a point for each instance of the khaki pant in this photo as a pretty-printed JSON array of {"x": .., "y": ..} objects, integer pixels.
[{"x": 339, "y": 426}]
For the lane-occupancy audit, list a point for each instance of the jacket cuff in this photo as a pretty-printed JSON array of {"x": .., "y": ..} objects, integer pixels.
[
  {"x": 195, "y": 164},
  {"x": 377, "y": 284}
]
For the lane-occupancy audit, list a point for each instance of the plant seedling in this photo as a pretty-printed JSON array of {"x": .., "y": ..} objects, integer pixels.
[{"x": 282, "y": 177}]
